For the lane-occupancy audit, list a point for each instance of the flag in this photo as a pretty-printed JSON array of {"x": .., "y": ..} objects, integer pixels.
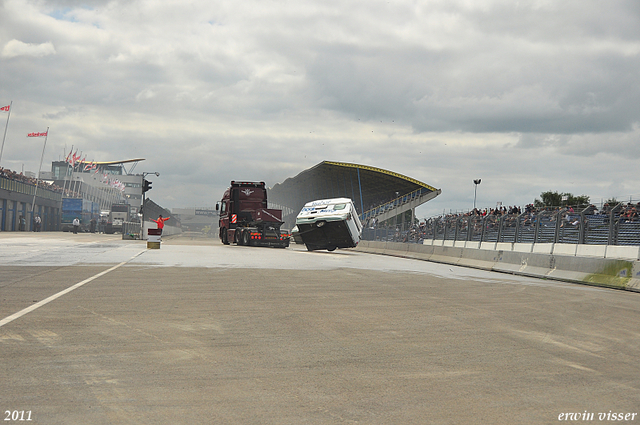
[
  {"x": 5, "y": 108},
  {"x": 68, "y": 158},
  {"x": 88, "y": 166},
  {"x": 37, "y": 134}
]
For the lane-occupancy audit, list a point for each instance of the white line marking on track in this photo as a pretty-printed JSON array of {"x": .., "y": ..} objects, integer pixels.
[{"x": 53, "y": 297}]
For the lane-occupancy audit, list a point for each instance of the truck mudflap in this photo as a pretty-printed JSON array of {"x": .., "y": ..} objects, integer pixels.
[
  {"x": 275, "y": 241},
  {"x": 327, "y": 235},
  {"x": 254, "y": 237}
]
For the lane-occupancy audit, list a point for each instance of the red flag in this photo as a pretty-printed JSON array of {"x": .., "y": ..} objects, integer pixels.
[
  {"x": 5, "y": 108},
  {"x": 37, "y": 134}
]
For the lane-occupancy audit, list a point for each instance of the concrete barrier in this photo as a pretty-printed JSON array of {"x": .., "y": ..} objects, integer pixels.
[
  {"x": 446, "y": 254},
  {"x": 631, "y": 253},
  {"x": 598, "y": 265},
  {"x": 522, "y": 247},
  {"x": 488, "y": 245},
  {"x": 478, "y": 258},
  {"x": 542, "y": 248},
  {"x": 591, "y": 251},
  {"x": 564, "y": 249}
]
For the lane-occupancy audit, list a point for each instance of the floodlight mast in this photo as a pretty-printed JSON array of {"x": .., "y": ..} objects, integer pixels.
[{"x": 476, "y": 182}]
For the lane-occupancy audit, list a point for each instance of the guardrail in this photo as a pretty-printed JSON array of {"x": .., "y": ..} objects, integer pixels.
[{"x": 560, "y": 226}]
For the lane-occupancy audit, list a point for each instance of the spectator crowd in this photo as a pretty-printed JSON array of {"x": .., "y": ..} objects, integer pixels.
[
  {"x": 12, "y": 175},
  {"x": 509, "y": 216}
]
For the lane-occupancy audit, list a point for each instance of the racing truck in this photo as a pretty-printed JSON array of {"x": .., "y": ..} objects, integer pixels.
[{"x": 245, "y": 218}]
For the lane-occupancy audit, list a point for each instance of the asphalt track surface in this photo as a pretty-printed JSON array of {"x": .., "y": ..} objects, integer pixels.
[{"x": 201, "y": 333}]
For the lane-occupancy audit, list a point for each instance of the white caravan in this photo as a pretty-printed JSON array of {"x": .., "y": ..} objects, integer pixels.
[{"x": 329, "y": 224}]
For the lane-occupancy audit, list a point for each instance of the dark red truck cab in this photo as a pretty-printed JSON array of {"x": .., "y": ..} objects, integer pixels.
[{"x": 245, "y": 218}]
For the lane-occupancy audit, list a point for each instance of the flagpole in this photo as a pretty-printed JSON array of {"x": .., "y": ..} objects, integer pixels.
[
  {"x": 5, "y": 131},
  {"x": 33, "y": 204},
  {"x": 64, "y": 186}
]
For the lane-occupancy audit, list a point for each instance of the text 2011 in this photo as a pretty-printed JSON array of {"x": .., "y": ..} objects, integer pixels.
[{"x": 17, "y": 415}]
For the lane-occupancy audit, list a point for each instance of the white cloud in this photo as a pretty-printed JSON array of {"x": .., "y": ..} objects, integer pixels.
[
  {"x": 441, "y": 90},
  {"x": 18, "y": 48}
]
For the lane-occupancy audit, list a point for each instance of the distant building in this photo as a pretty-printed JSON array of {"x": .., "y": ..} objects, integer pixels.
[
  {"x": 196, "y": 219},
  {"x": 17, "y": 207},
  {"x": 105, "y": 183}
]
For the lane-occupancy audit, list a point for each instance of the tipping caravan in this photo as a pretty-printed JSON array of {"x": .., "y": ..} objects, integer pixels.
[{"x": 329, "y": 224}]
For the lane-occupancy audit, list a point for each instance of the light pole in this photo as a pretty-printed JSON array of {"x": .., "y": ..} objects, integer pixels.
[{"x": 476, "y": 182}]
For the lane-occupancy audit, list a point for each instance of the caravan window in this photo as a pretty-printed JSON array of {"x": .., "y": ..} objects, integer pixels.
[{"x": 339, "y": 206}]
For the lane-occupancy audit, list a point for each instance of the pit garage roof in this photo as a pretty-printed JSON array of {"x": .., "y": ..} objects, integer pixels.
[{"x": 367, "y": 186}]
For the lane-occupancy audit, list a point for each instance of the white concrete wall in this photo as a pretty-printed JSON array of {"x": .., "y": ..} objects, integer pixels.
[{"x": 599, "y": 265}]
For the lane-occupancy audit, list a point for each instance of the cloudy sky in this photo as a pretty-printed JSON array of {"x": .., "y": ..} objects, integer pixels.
[{"x": 529, "y": 96}]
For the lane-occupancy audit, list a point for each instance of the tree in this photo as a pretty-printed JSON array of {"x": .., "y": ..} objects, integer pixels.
[
  {"x": 612, "y": 202},
  {"x": 555, "y": 199},
  {"x": 549, "y": 199}
]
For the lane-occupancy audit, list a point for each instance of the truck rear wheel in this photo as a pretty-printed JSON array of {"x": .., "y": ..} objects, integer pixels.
[{"x": 246, "y": 237}]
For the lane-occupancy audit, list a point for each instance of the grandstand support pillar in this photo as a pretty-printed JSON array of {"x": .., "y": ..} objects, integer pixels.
[{"x": 360, "y": 188}]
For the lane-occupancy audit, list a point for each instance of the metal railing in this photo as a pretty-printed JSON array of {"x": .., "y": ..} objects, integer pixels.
[
  {"x": 552, "y": 226},
  {"x": 130, "y": 230},
  {"x": 28, "y": 189},
  {"x": 395, "y": 203}
]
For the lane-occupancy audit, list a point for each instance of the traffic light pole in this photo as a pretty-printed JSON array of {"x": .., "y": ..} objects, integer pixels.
[{"x": 146, "y": 185}]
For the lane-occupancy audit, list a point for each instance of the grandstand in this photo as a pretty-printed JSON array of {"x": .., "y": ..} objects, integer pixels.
[{"x": 378, "y": 194}]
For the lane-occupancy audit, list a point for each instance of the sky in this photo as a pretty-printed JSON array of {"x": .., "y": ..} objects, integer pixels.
[{"x": 528, "y": 96}]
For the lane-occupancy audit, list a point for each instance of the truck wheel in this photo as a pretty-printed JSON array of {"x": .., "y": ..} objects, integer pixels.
[
  {"x": 236, "y": 236},
  {"x": 246, "y": 238},
  {"x": 331, "y": 248},
  {"x": 225, "y": 236}
]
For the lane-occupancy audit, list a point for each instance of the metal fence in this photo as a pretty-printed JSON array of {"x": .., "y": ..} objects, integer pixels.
[
  {"x": 130, "y": 230},
  {"x": 29, "y": 189},
  {"x": 547, "y": 226}
]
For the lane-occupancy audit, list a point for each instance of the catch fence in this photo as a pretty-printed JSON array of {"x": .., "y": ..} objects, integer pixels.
[{"x": 546, "y": 226}]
